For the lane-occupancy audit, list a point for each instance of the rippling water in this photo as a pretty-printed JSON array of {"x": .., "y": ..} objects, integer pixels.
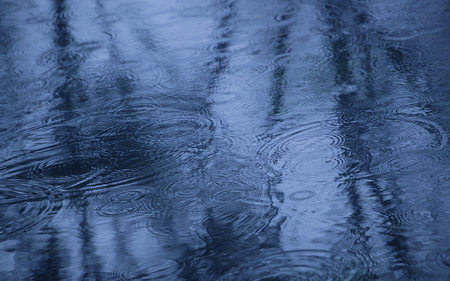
[{"x": 224, "y": 140}]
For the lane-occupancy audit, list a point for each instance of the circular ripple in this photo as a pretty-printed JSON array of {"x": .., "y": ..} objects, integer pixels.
[
  {"x": 302, "y": 195},
  {"x": 301, "y": 265},
  {"x": 408, "y": 105},
  {"x": 60, "y": 118},
  {"x": 67, "y": 58},
  {"x": 180, "y": 187},
  {"x": 179, "y": 126},
  {"x": 115, "y": 210},
  {"x": 123, "y": 80},
  {"x": 306, "y": 164},
  {"x": 407, "y": 163},
  {"x": 64, "y": 170},
  {"x": 424, "y": 132},
  {"x": 282, "y": 142},
  {"x": 46, "y": 168},
  {"x": 129, "y": 109},
  {"x": 222, "y": 45},
  {"x": 409, "y": 34},
  {"x": 337, "y": 140},
  {"x": 294, "y": 150},
  {"x": 118, "y": 203},
  {"x": 245, "y": 183},
  {"x": 406, "y": 134},
  {"x": 405, "y": 216},
  {"x": 181, "y": 134}
]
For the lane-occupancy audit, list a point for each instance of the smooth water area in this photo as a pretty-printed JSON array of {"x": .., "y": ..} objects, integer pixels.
[{"x": 224, "y": 140}]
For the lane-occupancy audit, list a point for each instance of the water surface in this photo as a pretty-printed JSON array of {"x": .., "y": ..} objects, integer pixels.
[{"x": 224, "y": 140}]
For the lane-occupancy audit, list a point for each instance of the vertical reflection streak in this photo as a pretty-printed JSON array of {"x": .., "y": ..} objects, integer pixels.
[
  {"x": 68, "y": 64},
  {"x": 353, "y": 126},
  {"x": 282, "y": 50},
  {"x": 51, "y": 267},
  {"x": 215, "y": 230},
  {"x": 277, "y": 93},
  {"x": 147, "y": 155}
]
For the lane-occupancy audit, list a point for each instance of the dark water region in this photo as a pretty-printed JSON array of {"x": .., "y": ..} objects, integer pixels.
[{"x": 224, "y": 140}]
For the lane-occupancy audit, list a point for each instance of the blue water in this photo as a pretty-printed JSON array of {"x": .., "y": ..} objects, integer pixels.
[{"x": 224, "y": 140}]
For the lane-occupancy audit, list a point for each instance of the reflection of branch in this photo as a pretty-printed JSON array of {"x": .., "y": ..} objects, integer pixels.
[
  {"x": 63, "y": 36},
  {"x": 220, "y": 62},
  {"x": 122, "y": 82},
  {"x": 69, "y": 63},
  {"x": 67, "y": 60},
  {"x": 123, "y": 255},
  {"x": 89, "y": 258},
  {"x": 52, "y": 261},
  {"x": 351, "y": 114},
  {"x": 277, "y": 90}
]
